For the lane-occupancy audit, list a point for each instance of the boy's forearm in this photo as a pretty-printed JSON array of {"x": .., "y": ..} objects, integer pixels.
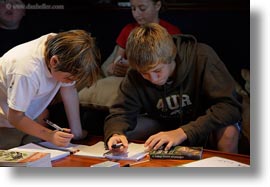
[
  {"x": 74, "y": 121},
  {"x": 72, "y": 109},
  {"x": 76, "y": 128},
  {"x": 28, "y": 126}
]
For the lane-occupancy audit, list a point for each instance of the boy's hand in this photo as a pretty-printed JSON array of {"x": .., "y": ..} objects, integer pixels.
[
  {"x": 60, "y": 138},
  {"x": 170, "y": 138},
  {"x": 116, "y": 139}
]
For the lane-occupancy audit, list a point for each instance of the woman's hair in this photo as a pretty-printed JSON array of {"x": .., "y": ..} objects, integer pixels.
[
  {"x": 148, "y": 46},
  {"x": 77, "y": 55},
  {"x": 163, "y": 5}
]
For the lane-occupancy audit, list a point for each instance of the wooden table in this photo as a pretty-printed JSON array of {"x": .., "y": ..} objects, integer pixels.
[{"x": 78, "y": 161}]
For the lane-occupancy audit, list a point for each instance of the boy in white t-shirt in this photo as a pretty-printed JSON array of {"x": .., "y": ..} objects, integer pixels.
[{"x": 32, "y": 73}]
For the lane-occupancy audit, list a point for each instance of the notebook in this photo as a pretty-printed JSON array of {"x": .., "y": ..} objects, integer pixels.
[
  {"x": 135, "y": 151},
  {"x": 31, "y": 147},
  {"x": 72, "y": 148}
]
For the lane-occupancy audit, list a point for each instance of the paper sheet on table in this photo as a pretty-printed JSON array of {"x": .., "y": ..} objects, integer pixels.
[{"x": 215, "y": 162}]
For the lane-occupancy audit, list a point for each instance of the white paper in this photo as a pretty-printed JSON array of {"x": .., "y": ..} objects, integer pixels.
[
  {"x": 215, "y": 162},
  {"x": 96, "y": 150}
]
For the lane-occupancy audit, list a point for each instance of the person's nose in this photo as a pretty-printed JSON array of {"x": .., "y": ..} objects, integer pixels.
[{"x": 135, "y": 13}]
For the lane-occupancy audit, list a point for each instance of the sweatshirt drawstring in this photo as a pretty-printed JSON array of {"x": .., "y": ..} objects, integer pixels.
[
  {"x": 166, "y": 107},
  {"x": 180, "y": 105}
]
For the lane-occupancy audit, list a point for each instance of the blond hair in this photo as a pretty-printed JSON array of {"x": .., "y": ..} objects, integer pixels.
[
  {"x": 148, "y": 46},
  {"x": 77, "y": 55}
]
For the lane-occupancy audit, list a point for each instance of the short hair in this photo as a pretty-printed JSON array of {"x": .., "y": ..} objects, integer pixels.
[
  {"x": 148, "y": 46},
  {"x": 77, "y": 54}
]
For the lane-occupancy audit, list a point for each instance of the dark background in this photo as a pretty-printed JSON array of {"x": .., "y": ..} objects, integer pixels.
[{"x": 223, "y": 24}]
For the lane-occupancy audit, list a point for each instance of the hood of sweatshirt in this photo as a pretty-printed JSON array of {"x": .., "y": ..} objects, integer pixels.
[{"x": 186, "y": 50}]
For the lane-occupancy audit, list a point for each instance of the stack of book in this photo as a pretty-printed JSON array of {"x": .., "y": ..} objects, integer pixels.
[
  {"x": 10, "y": 158},
  {"x": 32, "y": 147}
]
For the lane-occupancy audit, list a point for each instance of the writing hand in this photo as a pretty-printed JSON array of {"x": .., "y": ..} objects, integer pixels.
[
  {"x": 60, "y": 138},
  {"x": 120, "y": 70},
  {"x": 118, "y": 139}
]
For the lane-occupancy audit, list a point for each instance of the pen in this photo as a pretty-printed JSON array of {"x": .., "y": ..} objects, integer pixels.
[
  {"x": 117, "y": 59},
  {"x": 118, "y": 145},
  {"x": 53, "y": 125}
]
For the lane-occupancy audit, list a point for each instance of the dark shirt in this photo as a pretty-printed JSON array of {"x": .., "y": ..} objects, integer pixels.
[{"x": 11, "y": 38}]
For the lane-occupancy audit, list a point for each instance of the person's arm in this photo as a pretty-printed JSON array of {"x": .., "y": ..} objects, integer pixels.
[
  {"x": 116, "y": 67},
  {"x": 125, "y": 110},
  {"x": 219, "y": 97},
  {"x": 71, "y": 103},
  {"x": 27, "y": 125}
]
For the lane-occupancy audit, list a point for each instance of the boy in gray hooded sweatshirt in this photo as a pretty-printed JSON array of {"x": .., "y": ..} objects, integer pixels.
[{"x": 179, "y": 84}]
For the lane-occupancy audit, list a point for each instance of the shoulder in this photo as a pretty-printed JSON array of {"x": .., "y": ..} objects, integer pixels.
[
  {"x": 130, "y": 82},
  {"x": 188, "y": 41},
  {"x": 133, "y": 77},
  {"x": 28, "y": 57},
  {"x": 172, "y": 29},
  {"x": 123, "y": 36},
  {"x": 208, "y": 55},
  {"x": 205, "y": 49}
]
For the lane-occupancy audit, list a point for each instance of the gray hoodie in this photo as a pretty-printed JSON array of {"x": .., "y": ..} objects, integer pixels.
[{"x": 200, "y": 97}]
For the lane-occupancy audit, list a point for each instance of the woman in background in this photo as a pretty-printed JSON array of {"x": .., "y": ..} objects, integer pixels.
[{"x": 143, "y": 11}]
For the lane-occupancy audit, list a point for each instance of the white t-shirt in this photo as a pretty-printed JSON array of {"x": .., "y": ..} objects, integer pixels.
[{"x": 26, "y": 84}]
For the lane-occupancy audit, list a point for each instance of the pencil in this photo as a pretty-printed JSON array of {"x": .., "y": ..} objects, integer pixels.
[{"x": 135, "y": 163}]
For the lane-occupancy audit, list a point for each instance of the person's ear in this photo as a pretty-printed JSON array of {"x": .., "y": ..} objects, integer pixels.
[
  {"x": 53, "y": 61},
  {"x": 158, "y": 5}
]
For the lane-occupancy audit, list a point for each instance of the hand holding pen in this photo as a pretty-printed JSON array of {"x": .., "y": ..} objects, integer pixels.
[
  {"x": 56, "y": 126},
  {"x": 60, "y": 137},
  {"x": 120, "y": 66},
  {"x": 118, "y": 144}
]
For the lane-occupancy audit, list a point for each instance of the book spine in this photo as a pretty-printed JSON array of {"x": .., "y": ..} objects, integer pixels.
[{"x": 180, "y": 157}]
